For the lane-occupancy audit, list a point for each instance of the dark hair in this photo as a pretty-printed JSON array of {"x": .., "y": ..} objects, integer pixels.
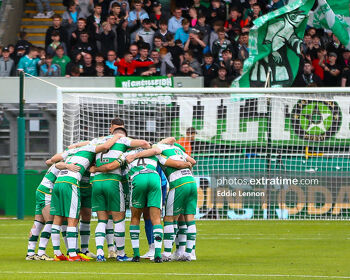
[
  {"x": 145, "y": 46},
  {"x": 208, "y": 55},
  {"x": 191, "y": 130},
  {"x": 60, "y": 47},
  {"x": 55, "y": 33},
  {"x": 82, "y": 19},
  {"x": 115, "y": 4},
  {"x": 49, "y": 56},
  {"x": 56, "y": 16},
  {"x": 169, "y": 36},
  {"x": 163, "y": 21},
  {"x": 117, "y": 121},
  {"x": 120, "y": 129}
]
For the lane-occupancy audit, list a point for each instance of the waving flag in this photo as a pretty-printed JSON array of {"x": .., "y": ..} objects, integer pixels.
[
  {"x": 333, "y": 19},
  {"x": 274, "y": 46}
]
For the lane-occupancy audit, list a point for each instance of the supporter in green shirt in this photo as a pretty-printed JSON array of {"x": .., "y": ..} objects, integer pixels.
[{"x": 61, "y": 59}]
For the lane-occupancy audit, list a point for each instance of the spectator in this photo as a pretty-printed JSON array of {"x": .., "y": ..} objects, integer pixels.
[
  {"x": 331, "y": 71},
  {"x": 203, "y": 28},
  {"x": 39, "y": 6},
  {"x": 56, "y": 26},
  {"x": 23, "y": 42},
  {"x": 111, "y": 19},
  {"x": 89, "y": 68},
  {"x": 220, "y": 45},
  {"x": 195, "y": 44},
  {"x": 61, "y": 59},
  {"x": 306, "y": 44},
  {"x": 76, "y": 62},
  {"x": 335, "y": 46},
  {"x": 124, "y": 5},
  {"x": 307, "y": 78},
  {"x": 84, "y": 46},
  {"x": 30, "y": 62},
  {"x": 167, "y": 67},
  {"x": 81, "y": 26},
  {"x": 163, "y": 30},
  {"x": 18, "y": 54},
  {"x": 75, "y": 72},
  {"x": 100, "y": 71},
  {"x": 48, "y": 69},
  {"x": 144, "y": 50},
  {"x": 345, "y": 79},
  {"x": 106, "y": 38},
  {"x": 175, "y": 22},
  {"x": 238, "y": 68},
  {"x": 177, "y": 53},
  {"x": 105, "y": 6},
  {"x": 134, "y": 50},
  {"x": 157, "y": 43},
  {"x": 234, "y": 20},
  {"x": 317, "y": 62},
  {"x": 7, "y": 65},
  {"x": 70, "y": 18},
  {"x": 243, "y": 46},
  {"x": 195, "y": 66},
  {"x": 227, "y": 62},
  {"x": 124, "y": 36},
  {"x": 276, "y": 4},
  {"x": 56, "y": 41},
  {"x": 316, "y": 45},
  {"x": 221, "y": 80},
  {"x": 192, "y": 12},
  {"x": 345, "y": 60},
  {"x": 126, "y": 66},
  {"x": 185, "y": 71},
  {"x": 152, "y": 71},
  {"x": 111, "y": 59},
  {"x": 94, "y": 21},
  {"x": 158, "y": 15},
  {"x": 146, "y": 33},
  {"x": 155, "y": 57},
  {"x": 86, "y": 8},
  {"x": 186, "y": 141},
  {"x": 201, "y": 9},
  {"x": 137, "y": 14},
  {"x": 214, "y": 33},
  {"x": 209, "y": 69},
  {"x": 183, "y": 32},
  {"x": 216, "y": 12},
  {"x": 117, "y": 12}
]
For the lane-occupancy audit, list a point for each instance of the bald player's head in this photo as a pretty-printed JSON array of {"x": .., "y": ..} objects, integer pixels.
[{"x": 115, "y": 123}]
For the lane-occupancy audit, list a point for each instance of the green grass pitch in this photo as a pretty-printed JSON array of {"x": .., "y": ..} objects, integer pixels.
[{"x": 225, "y": 250}]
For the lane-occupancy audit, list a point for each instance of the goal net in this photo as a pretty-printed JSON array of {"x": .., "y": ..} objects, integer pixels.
[{"x": 265, "y": 155}]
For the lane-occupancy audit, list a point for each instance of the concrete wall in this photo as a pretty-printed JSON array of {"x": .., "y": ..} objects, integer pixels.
[
  {"x": 9, "y": 21},
  {"x": 39, "y": 92}
]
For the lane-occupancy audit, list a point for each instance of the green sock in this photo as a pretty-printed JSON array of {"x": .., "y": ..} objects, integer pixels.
[{"x": 158, "y": 238}]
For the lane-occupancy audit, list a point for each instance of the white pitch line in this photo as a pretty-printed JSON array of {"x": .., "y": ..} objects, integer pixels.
[{"x": 182, "y": 274}]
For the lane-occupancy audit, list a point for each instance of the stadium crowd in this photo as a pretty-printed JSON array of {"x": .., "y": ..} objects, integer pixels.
[{"x": 191, "y": 38}]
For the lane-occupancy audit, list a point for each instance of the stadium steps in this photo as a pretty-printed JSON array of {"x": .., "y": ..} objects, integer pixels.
[{"x": 36, "y": 27}]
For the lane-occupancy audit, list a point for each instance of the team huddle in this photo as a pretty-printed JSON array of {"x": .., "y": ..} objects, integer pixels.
[{"x": 106, "y": 175}]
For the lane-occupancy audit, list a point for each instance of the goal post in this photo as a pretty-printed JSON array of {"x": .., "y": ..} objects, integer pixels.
[{"x": 262, "y": 153}]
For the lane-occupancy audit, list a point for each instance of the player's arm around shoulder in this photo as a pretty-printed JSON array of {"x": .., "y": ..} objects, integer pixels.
[
  {"x": 109, "y": 166},
  {"x": 143, "y": 154},
  {"x": 70, "y": 166},
  {"x": 178, "y": 164},
  {"x": 108, "y": 144}
]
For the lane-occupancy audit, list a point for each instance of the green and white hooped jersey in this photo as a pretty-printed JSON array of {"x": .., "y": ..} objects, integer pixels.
[
  {"x": 176, "y": 177},
  {"x": 82, "y": 157},
  {"x": 140, "y": 165},
  {"x": 115, "y": 152},
  {"x": 47, "y": 183}
]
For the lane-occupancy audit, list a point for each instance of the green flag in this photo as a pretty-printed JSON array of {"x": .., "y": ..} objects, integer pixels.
[
  {"x": 325, "y": 17},
  {"x": 274, "y": 46}
]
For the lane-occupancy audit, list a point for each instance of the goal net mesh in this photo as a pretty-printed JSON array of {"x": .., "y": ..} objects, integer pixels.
[{"x": 260, "y": 156}]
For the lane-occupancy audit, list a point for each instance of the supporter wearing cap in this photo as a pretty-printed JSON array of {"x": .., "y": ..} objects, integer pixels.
[
  {"x": 331, "y": 71},
  {"x": 158, "y": 15},
  {"x": 7, "y": 65}
]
